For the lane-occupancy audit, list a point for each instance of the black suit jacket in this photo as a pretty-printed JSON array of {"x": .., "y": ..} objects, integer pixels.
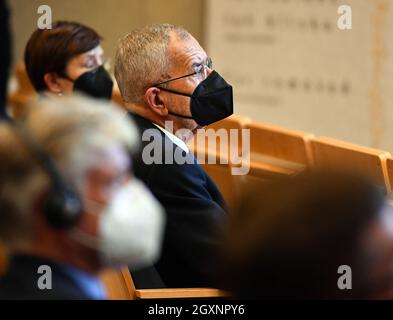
[
  {"x": 195, "y": 212},
  {"x": 20, "y": 282}
]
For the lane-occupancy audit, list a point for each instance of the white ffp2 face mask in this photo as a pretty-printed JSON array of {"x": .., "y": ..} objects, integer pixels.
[{"x": 130, "y": 228}]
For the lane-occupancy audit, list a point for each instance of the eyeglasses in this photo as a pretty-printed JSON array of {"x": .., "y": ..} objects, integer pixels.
[{"x": 200, "y": 72}]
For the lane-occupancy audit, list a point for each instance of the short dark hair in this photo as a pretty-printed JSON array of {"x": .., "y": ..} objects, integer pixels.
[
  {"x": 49, "y": 50},
  {"x": 287, "y": 240}
]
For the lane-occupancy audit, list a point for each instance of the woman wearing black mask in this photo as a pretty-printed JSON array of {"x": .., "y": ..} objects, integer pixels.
[{"x": 66, "y": 59}]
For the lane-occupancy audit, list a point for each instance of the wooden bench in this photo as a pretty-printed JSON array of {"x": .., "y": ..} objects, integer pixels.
[
  {"x": 275, "y": 152},
  {"x": 389, "y": 168},
  {"x": 335, "y": 154},
  {"x": 120, "y": 286}
]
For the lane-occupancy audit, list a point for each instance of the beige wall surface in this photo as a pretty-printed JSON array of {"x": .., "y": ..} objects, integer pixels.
[
  {"x": 111, "y": 18},
  {"x": 292, "y": 66}
]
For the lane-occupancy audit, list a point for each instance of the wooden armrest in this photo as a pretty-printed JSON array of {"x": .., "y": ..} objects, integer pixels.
[{"x": 179, "y": 293}]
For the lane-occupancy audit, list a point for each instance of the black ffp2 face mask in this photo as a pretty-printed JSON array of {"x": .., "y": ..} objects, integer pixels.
[
  {"x": 96, "y": 83},
  {"x": 211, "y": 101}
]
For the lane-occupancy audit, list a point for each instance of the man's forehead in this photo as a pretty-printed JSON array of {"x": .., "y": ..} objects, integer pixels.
[
  {"x": 115, "y": 156},
  {"x": 184, "y": 50}
]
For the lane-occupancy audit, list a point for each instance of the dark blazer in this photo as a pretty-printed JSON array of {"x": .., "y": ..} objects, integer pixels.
[
  {"x": 20, "y": 281},
  {"x": 195, "y": 211}
]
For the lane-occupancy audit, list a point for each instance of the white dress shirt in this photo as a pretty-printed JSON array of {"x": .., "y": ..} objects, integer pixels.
[{"x": 177, "y": 141}]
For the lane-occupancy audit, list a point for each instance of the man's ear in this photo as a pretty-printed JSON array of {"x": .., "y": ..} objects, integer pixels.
[
  {"x": 154, "y": 101},
  {"x": 52, "y": 83}
]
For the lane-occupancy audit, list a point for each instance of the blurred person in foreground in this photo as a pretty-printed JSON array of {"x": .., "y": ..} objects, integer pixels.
[
  {"x": 169, "y": 86},
  {"x": 69, "y": 201},
  {"x": 289, "y": 240},
  {"x": 67, "y": 58}
]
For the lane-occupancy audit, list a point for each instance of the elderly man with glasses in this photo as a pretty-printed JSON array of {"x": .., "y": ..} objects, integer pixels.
[{"x": 169, "y": 88}]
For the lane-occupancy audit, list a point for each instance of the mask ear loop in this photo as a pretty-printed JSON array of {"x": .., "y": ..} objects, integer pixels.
[
  {"x": 65, "y": 76},
  {"x": 175, "y": 92},
  {"x": 82, "y": 237},
  {"x": 179, "y": 93},
  {"x": 179, "y": 115},
  {"x": 157, "y": 85},
  {"x": 93, "y": 206},
  {"x": 85, "y": 239}
]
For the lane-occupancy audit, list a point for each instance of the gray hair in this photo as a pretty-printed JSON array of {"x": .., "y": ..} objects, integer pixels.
[
  {"x": 142, "y": 59},
  {"x": 73, "y": 132}
]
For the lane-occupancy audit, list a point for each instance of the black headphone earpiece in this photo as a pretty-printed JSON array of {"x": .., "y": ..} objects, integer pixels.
[{"x": 62, "y": 205}]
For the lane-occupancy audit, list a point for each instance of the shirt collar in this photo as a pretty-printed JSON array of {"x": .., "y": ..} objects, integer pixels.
[
  {"x": 180, "y": 143},
  {"x": 88, "y": 283}
]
